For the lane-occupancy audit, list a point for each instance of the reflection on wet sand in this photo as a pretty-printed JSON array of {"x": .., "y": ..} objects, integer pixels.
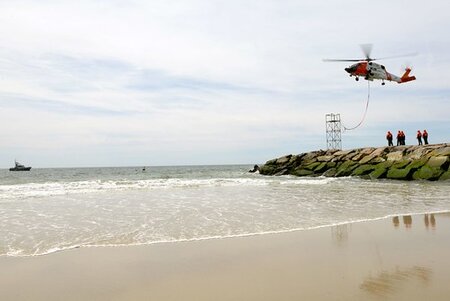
[
  {"x": 339, "y": 233},
  {"x": 396, "y": 221},
  {"x": 388, "y": 283},
  {"x": 429, "y": 221},
  {"x": 407, "y": 220}
]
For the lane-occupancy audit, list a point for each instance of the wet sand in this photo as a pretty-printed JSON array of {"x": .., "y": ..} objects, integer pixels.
[{"x": 400, "y": 258}]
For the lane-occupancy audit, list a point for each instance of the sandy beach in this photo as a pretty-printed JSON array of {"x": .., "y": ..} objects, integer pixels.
[{"x": 397, "y": 258}]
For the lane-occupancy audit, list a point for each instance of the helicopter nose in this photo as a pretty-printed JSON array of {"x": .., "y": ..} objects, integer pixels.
[{"x": 348, "y": 70}]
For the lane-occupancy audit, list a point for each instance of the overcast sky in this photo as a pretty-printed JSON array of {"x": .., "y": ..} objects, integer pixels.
[{"x": 126, "y": 83}]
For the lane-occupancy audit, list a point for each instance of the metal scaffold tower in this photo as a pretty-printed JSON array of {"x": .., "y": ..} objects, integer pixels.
[{"x": 333, "y": 128}]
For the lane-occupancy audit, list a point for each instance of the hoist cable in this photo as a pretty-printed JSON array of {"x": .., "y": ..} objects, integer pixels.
[{"x": 365, "y": 111}]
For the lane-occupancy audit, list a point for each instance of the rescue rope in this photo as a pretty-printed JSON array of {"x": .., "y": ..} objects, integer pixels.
[{"x": 365, "y": 111}]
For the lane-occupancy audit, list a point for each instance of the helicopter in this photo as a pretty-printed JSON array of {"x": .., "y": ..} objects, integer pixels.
[{"x": 369, "y": 70}]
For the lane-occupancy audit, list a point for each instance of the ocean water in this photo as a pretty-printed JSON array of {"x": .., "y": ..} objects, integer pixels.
[{"x": 49, "y": 210}]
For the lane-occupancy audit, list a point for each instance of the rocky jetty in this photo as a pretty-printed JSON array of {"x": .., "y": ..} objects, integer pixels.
[{"x": 424, "y": 162}]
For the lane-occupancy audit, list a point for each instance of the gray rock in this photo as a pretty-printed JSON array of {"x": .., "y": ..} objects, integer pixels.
[
  {"x": 395, "y": 156},
  {"x": 427, "y": 173},
  {"x": 419, "y": 153},
  {"x": 363, "y": 153},
  {"x": 346, "y": 168},
  {"x": 284, "y": 159},
  {"x": 376, "y": 154},
  {"x": 445, "y": 176},
  {"x": 303, "y": 172},
  {"x": 363, "y": 170},
  {"x": 438, "y": 161},
  {"x": 326, "y": 158},
  {"x": 445, "y": 151},
  {"x": 399, "y": 174},
  {"x": 282, "y": 172},
  {"x": 330, "y": 172}
]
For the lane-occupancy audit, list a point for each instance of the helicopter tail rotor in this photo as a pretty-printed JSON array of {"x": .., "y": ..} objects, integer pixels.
[{"x": 405, "y": 77}]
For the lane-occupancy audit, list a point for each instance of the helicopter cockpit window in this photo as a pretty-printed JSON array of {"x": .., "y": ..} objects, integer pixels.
[{"x": 382, "y": 67}]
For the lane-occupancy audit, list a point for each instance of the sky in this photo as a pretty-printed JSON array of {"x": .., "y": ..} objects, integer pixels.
[{"x": 144, "y": 83}]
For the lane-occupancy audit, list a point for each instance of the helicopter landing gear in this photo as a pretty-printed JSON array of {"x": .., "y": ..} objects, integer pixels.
[
  {"x": 357, "y": 78},
  {"x": 383, "y": 83}
]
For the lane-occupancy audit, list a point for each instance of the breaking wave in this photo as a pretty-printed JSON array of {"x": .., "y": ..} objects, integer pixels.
[{"x": 99, "y": 186}]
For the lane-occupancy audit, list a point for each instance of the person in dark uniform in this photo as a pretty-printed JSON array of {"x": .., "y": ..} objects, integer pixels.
[
  {"x": 389, "y": 138},
  {"x": 399, "y": 138},
  {"x": 419, "y": 137},
  {"x": 425, "y": 137}
]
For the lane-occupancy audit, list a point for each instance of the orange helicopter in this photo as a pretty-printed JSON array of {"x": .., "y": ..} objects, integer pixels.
[{"x": 369, "y": 70}]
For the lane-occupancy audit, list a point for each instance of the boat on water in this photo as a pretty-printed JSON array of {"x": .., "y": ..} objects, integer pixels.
[{"x": 19, "y": 167}]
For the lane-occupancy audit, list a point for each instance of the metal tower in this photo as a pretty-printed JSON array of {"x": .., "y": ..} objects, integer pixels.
[{"x": 333, "y": 128}]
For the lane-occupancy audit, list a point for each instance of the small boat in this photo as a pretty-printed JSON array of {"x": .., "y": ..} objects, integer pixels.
[{"x": 19, "y": 167}]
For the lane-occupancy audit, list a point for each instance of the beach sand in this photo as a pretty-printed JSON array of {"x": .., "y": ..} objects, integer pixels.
[{"x": 399, "y": 258}]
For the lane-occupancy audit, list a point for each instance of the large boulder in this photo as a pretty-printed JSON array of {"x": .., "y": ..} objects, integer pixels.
[
  {"x": 363, "y": 153},
  {"x": 299, "y": 172},
  {"x": 401, "y": 163},
  {"x": 321, "y": 167},
  {"x": 399, "y": 174},
  {"x": 438, "y": 162},
  {"x": 381, "y": 169},
  {"x": 376, "y": 154},
  {"x": 363, "y": 170},
  {"x": 346, "y": 168},
  {"x": 378, "y": 173},
  {"x": 325, "y": 158},
  {"x": 445, "y": 176},
  {"x": 284, "y": 159},
  {"x": 312, "y": 166},
  {"x": 419, "y": 153},
  {"x": 395, "y": 156},
  {"x": 445, "y": 151},
  {"x": 330, "y": 172},
  {"x": 427, "y": 173}
]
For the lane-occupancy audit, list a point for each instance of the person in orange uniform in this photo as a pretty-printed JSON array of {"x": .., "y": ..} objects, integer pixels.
[
  {"x": 399, "y": 138},
  {"x": 389, "y": 138},
  {"x": 419, "y": 137},
  {"x": 425, "y": 137}
]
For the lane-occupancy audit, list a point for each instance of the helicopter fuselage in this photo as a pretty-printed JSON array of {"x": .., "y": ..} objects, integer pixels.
[{"x": 370, "y": 71}]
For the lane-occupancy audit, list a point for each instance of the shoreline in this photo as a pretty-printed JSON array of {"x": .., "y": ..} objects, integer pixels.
[
  {"x": 212, "y": 238},
  {"x": 393, "y": 258}
]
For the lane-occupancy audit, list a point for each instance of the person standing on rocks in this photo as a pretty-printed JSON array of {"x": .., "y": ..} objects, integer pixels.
[
  {"x": 419, "y": 137},
  {"x": 255, "y": 169},
  {"x": 425, "y": 137},
  {"x": 399, "y": 138},
  {"x": 403, "y": 137},
  {"x": 389, "y": 138}
]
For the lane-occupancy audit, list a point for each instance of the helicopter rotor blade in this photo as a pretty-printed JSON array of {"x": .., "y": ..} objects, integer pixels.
[
  {"x": 338, "y": 60},
  {"x": 367, "y": 49},
  {"x": 397, "y": 56}
]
